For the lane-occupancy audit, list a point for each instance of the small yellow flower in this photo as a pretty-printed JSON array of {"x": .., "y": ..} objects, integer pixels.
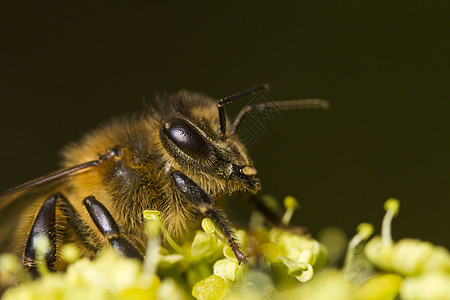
[
  {"x": 381, "y": 287},
  {"x": 208, "y": 225},
  {"x": 211, "y": 288}
]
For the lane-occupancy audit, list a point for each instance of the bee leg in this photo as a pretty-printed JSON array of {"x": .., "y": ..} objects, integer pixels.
[
  {"x": 79, "y": 227},
  {"x": 44, "y": 225},
  {"x": 204, "y": 203},
  {"x": 109, "y": 229},
  {"x": 273, "y": 216}
]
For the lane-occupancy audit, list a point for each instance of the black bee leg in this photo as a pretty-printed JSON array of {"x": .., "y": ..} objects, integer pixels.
[
  {"x": 204, "y": 203},
  {"x": 44, "y": 226},
  {"x": 79, "y": 227},
  {"x": 109, "y": 228}
]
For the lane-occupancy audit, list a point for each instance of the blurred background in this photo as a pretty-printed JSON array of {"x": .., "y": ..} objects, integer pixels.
[{"x": 383, "y": 66}]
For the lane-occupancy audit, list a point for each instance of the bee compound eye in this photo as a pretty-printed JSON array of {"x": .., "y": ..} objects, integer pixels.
[{"x": 187, "y": 138}]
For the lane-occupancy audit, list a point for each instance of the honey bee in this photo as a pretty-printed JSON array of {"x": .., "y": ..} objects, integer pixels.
[{"x": 178, "y": 157}]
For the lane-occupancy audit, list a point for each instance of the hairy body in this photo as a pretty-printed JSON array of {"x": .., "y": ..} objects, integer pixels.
[
  {"x": 178, "y": 157},
  {"x": 138, "y": 178}
]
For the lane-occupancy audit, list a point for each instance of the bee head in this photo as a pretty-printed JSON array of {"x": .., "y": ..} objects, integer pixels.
[{"x": 196, "y": 147}]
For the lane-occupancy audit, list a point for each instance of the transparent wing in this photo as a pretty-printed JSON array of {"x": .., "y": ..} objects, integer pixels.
[
  {"x": 12, "y": 194},
  {"x": 16, "y": 201}
]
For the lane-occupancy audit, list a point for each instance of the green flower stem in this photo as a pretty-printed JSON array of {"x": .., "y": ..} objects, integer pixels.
[
  {"x": 391, "y": 206},
  {"x": 171, "y": 242},
  {"x": 154, "y": 216},
  {"x": 364, "y": 231},
  {"x": 291, "y": 204}
]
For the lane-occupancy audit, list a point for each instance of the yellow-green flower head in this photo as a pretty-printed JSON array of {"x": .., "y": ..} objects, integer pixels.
[
  {"x": 408, "y": 256},
  {"x": 9, "y": 264},
  {"x": 393, "y": 205},
  {"x": 291, "y": 203},
  {"x": 228, "y": 269},
  {"x": 256, "y": 285},
  {"x": 153, "y": 222},
  {"x": 365, "y": 230},
  {"x": 207, "y": 268},
  {"x": 380, "y": 287},
  {"x": 206, "y": 245},
  {"x": 108, "y": 277},
  {"x": 70, "y": 253},
  {"x": 298, "y": 248},
  {"x": 275, "y": 254},
  {"x": 153, "y": 215},
  {"x": 431, "y": 286},
  {"x": 211, "y": 288},
  {"x": 170, "y": 289},
  {"x": 329, "y": 284},
  {"x": 208, "y": 225},
  {"x": 270, "y": 251}
]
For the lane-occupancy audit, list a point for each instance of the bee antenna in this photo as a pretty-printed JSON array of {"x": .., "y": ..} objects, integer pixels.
[
  {"x": 279, "y": 106},
  {"x": 229, "y": 99}
]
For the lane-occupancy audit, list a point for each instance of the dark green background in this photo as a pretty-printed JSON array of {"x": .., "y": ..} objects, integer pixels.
[{"x": 383, "y": 65}]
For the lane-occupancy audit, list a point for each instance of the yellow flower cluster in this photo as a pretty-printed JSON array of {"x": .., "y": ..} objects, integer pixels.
[{"x": 282, "y": 264}]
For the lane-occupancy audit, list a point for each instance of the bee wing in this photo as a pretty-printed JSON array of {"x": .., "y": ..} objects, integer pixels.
[
  {"x": 12, "y": 194},
  {"x": 23, "y": 206},
  {"x": 24, "y": 196}
]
